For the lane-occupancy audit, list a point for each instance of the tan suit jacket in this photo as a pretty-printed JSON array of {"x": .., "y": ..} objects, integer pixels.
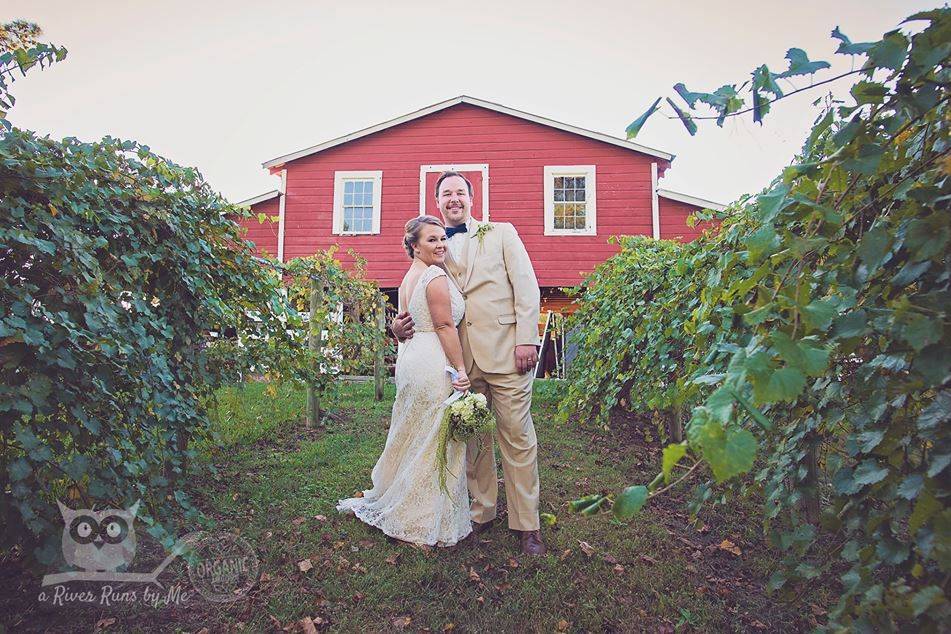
[{"x": 501, "y": 293}]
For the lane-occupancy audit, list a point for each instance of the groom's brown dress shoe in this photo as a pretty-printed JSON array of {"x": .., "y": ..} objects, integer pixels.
[
  {"x": 480, "y": 527},
  {"x": 532, "y": 543}
]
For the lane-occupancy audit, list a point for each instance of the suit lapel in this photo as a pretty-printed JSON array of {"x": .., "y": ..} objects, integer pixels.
[{"x": 469, "y": 251}]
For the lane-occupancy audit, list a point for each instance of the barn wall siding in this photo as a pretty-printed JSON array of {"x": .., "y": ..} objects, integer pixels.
[
  {"x": 673, "y": 221},
  {"x": 515, "y": 150},
  {"x": 263, "y": 235}
]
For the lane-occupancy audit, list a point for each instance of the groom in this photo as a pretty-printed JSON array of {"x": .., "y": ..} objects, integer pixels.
[{"x": 499, "y": 336}]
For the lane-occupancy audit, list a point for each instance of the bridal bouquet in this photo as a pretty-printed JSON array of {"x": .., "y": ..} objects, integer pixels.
[{"x": 467, "y": 416}]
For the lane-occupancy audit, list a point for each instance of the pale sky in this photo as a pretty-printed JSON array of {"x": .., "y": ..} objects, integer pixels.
[{"x": 225, "y": 86}]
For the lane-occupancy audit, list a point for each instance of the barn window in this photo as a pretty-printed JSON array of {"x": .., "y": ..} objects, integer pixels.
[
  {"x": 357, "y": 202},
  {"x": 570, "y": 206}
]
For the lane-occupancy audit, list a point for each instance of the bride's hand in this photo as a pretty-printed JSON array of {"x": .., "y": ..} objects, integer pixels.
[{"x": 461, "y": 383}]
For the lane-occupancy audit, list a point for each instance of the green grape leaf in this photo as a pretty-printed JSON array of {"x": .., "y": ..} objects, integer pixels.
[
  {"x": 799, "y": 64},
  {"x": 729, "y": 452},
  {"x": 672, "y": 455},
  {"x": 629, "y": 502},
  {"x": 638, "y": 123}
]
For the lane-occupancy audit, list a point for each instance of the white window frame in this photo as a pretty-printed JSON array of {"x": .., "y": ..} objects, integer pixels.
[
  {"x": 590, "y": 189},
  {"x": 454, "y": 167},
  {"x": 339, "y": 179}
]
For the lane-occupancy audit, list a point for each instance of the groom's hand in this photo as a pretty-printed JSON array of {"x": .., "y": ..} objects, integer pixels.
[
  {"x": 402, "y": 326},
  {"x": 526, "y": 356}
]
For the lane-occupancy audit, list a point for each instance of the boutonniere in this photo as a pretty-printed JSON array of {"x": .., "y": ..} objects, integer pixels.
[{"x": 483, "y": 229}]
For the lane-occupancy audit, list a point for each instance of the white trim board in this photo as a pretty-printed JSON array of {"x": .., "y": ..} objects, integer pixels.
[
  {"x": 655, "y": 204},
  {"x": 690, "y": 200},
  {"x": 442, "y": 105},
  {"x": 455, "y": 167},
  {"x": 280, "y": 216},
  {"x": 258, "y": 199}
]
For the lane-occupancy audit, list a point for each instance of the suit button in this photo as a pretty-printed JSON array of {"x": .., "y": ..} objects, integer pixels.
[
  {"x": 463, "y": 296},
  {"x": 468, "y": 323}
]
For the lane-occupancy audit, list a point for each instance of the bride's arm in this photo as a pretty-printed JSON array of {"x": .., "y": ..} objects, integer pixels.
[{"x": 440, "y": 308}]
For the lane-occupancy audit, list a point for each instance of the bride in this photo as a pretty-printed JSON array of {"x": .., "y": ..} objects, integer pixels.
[{"x": 405, "y": 501}]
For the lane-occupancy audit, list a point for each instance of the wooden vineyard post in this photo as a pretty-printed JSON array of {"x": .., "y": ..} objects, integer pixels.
[
  {"x": 378, "y": 366},
  {"x": 810, "y": 498},
  {"x": 675, "y": 424},
  {"x": 313, "y": 343}
]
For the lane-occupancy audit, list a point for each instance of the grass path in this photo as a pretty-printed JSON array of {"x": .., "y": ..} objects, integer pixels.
[{"x": 278, "y": 483}]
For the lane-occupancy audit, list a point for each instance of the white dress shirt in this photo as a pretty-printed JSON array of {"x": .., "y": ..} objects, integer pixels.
[{"x": 457, "y": 242}]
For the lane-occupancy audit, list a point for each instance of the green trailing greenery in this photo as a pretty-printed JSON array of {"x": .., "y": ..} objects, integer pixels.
[
  {"x": 113, "y": 263},
  {"x": 116, "y": 266},
  {"x": 19, "y": 52},
  {"x": 346, "y": 325},
  {"x": 809, "y": 336},
  {"x": 463, "y": 419}
]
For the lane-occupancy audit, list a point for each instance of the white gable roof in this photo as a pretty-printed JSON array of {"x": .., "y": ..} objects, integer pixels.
[
  {"x": 442, "y": 105},
  {"x": 690, "y": 200},
  {"x": 258, "y": 199}
]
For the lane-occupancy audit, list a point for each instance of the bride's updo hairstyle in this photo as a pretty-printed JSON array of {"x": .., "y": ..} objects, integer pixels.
[{"x": 413, "y": 228}]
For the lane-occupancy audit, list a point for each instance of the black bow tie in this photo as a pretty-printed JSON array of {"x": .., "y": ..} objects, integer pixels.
[{"x": 451, "y": 231}]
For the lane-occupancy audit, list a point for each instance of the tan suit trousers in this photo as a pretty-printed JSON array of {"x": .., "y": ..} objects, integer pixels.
[{"x": 510, "y": 396}]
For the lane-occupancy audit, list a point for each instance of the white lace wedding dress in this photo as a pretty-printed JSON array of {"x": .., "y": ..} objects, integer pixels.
[{"x": 405, "y": 501}]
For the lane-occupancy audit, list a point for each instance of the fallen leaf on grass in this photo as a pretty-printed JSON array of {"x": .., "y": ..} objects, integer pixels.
[
  {"x": 102, "y": 624},
  {"x": 448, "y": 627},
  {"x": 730, "y": 547},
  {"x": 297, "y": 521},
  {"x": 474, "y": 576},
  {"x": 357, "y": 567},
  {"x": 817, "y": 610},
  {"x": 648, "y": 559},
  {"x": 307, "y": 625},
  {"x": 587, "y": 548},
  {"x": 563, "y": 625},
  {"x": 690, "y": 543},
  {"x": 565, "y": 554},
  {"x": 402, "y": 622},
  {"x": 512, "y": 563},
  {"x": 480, "y": 600},
  {"x": 611, "y": 559},
  {"x": 358, "y": 597},
  {"x": 320, "y": 518},
  {"x": 758, "y": 625},
  {"x": 392, "y": 559},
  {"x": 618, "y": 569},
  {"x": 304, "y": 565},
  {"x": 359, "y": 494}
]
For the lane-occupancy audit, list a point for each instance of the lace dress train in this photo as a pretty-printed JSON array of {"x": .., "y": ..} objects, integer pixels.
[{"x": 405, "y": 501}]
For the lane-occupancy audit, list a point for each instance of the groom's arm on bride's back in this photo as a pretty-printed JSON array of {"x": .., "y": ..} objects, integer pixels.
[
  {"x": 521, "y": 274},
  {"x": 402, "y": 326}
]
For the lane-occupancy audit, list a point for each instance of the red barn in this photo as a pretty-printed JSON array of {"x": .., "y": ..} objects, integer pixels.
[{"x": 565, "y": 189}]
